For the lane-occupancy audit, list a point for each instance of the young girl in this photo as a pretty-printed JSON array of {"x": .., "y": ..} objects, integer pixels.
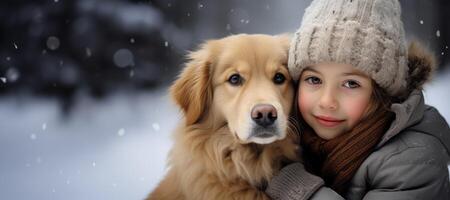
[{"x": 366, "y": 132}]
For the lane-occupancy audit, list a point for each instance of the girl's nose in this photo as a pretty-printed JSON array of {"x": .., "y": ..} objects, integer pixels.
[{"x": 328, "y": 100}]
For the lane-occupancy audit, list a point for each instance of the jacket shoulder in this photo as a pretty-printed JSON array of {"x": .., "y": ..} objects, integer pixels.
[
  {"x": 408, "y": 161},
  {"x": 408, "y": 148}
]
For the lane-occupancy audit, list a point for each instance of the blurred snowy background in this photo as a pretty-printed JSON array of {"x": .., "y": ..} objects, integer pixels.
[{"x": 84, "y": 109}]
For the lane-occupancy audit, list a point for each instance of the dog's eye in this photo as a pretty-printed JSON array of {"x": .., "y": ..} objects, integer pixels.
[
  {"x": 235, "y": 79},
  {"x": 279, "y": 78}
]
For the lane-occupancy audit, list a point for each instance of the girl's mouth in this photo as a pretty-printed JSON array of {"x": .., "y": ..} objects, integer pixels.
[{"x": 328, "y": 121}]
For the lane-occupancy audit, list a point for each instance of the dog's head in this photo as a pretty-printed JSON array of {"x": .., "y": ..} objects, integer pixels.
[{"x": 240, "y": 81}]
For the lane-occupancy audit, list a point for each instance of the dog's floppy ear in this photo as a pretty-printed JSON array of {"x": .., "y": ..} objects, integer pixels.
[
  {"x": 192, "y": 90},
  {"x": 285, "y": 40}
]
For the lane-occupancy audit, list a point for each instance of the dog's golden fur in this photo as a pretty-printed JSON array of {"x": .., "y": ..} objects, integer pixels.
[{"x": 214, "y": 155}]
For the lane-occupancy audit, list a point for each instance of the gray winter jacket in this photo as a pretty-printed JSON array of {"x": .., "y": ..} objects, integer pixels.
[{"x": 410, "y": 162}]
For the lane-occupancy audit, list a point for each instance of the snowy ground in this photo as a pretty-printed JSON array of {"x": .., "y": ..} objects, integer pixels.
[
  {"x": 113, "y": 149},
  {"x": 110, "y": 149}
]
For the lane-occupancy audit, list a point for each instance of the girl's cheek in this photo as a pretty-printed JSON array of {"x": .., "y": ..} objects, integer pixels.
[
  {"x": 303, "y": 101},
  {"x": 355, "y": 109}
]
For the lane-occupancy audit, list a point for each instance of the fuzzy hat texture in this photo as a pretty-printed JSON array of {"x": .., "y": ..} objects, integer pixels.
[{"x": 367, "y": 34}]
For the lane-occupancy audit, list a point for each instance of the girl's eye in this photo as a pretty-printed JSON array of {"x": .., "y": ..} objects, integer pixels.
[
  {"x": 351, "y": 84},
  {"x": 235, "y": 80},
  {"x": 279, "y": 78},
  {"x": 313, "y": 80}
]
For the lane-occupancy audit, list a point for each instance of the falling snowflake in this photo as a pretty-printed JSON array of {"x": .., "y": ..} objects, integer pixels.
[
  {"x": 94, "y": 164},
  {"x": 56, "y": 1},
  {"x": 442, "y": 53},
  {"x": 188, "y": 14},
  {"x": 166, "y": 44},
  {"x": 243, "y": 21},
  {"x": 12, "y": 74},
  {"x": 200, "y": 6},
  {"x": 88, "y": 52},
  {"x": 155, "y": 126},
  {"x": 228, "y": 27},
  {"x": 123, "y": 58},
  {"x": 438, "y": 33},
  {"x": 8, "y": 58},
  {"x": 33, "y": 136},
  {"x": 15, "y": 45},
  {"x": 53, "y": 43},
  {"x": 38, "y": 159},
  {"x": 132, "y": 40},
  {"x": 44, "y": 126},
  {"x": 3, "y": 79},
  {"x": 131, "y": 73},
  {"x": 421, "y": 21},
  {"x": 121, "y": 132}
]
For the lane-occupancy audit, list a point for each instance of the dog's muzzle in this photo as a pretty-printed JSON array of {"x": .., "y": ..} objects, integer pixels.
[{"x": 264, "y": 116}]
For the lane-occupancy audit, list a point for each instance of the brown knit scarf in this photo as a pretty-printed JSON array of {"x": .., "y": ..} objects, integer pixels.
[{"x": 337, "y": 160}]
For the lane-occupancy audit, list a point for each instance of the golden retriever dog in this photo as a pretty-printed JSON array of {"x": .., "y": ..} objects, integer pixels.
[{"x": 236, "y": 95}]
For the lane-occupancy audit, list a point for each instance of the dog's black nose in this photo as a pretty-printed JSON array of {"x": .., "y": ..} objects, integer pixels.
[{"x": 264, "y": 114}]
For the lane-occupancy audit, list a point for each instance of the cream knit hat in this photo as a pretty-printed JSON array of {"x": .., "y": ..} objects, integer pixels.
[{"x": 367, "y": 34}]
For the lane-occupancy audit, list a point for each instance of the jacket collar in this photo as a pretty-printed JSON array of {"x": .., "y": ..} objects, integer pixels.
[
  {"x": 414, "y": 115},
  {"x": 407, "y": 114}
]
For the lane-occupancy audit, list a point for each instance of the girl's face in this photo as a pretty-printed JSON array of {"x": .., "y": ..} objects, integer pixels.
[{"x": 333, "y": 98}]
